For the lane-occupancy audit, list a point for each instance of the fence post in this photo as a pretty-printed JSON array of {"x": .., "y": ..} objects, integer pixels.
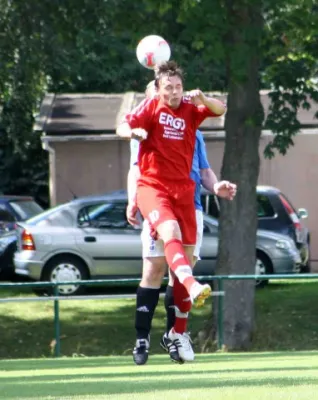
[
  {"x": 220, "y": 314},
  {"x": 57, "y": 323}
]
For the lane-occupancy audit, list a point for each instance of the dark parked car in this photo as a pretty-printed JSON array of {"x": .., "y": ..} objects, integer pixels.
[
  {"x": 275, "y": 213},
  {"x": 13, "y": 209},
  {"x": 16, "y": 208},
  {"x": 8, "y": 246}
]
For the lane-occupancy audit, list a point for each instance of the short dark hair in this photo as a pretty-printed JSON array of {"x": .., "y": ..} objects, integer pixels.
[{"x": 168, "y": 68}]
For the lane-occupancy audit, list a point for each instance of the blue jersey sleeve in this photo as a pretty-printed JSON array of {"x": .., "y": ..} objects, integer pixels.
[
  {"x": 134, "y": 150},
  {"x": 202, "y": 156}
]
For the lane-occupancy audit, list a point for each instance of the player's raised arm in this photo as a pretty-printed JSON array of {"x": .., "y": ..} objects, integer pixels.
[
  {"x": 135, "y": 124},
  {"x": 208, "y": 179},
  {"x": 216, "y": 106},
  {"x": 126, "y": 132}
]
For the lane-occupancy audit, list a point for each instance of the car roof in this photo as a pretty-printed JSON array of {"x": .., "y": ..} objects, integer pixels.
[
  {"x": 118, "y": 195},
  {"x": 121, "y": 195},
  {"x": 261, "y": 189},
  {"x": 7, "y": 197},
  {"x": 266, "y": 189}
]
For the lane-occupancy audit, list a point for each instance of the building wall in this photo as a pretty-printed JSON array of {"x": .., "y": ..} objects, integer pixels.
[
  {"x": 295, "y": 174},
  {"x": 98, "y": 167},
  {"x": 86, "y": 168}
]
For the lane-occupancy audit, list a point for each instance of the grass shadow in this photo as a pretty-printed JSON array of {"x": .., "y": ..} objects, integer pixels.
[
  {"x": 99, "y": 386},
  {"x": 284, "y": 321}
]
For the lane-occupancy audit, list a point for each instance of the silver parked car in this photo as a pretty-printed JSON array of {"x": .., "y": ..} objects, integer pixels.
[{"x": 90, "y": 238}]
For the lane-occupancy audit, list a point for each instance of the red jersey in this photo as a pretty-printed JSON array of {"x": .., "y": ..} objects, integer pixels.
[{"x": 167, "y": 153}]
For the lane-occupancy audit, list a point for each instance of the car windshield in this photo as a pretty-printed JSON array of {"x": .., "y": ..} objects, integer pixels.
[
  {"x": 26, "y": 208},
  {"x": 264, "y": 207}
]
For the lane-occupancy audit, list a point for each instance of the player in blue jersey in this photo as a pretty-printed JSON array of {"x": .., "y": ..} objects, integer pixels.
[{"x": 175, "y": 340}]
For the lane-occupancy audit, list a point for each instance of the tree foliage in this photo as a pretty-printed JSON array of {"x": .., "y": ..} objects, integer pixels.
[
  {"x": 291, "y": 64},
  {"x": 80, "y": 46}
]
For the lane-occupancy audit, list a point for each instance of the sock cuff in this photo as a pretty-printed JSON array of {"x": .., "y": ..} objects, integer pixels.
[
  {"x": 169, "y": 291},
  {"x": 147, "y": 289},
  {"x": 148, "y": 295},
  {"x": 150, "y": 288},
  {"x": 174, "y": 240},
  {"x": 180, "y": 314}
]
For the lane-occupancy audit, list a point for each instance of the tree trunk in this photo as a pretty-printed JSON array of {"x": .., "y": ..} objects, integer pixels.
[{"x": 238, "y": 220}]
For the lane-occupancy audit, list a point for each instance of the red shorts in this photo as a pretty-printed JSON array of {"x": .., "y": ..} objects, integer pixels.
[{"x": 177, "y": 203}]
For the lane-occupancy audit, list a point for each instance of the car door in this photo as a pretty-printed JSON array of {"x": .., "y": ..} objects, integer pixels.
[
  {"x": 208, "y": 253},
  {"x": 111, "y": 243},
  {"x": 269, "y": 217}
]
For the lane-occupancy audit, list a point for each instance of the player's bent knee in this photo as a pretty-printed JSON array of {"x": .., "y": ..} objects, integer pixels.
[
  {"x": 171, "y": 278},
  {"x": 189, "y": 252},
  {"x": 153, "y": 271},
  {"x": 195, "y": 260},
  {"x": 169, "y": 230}
]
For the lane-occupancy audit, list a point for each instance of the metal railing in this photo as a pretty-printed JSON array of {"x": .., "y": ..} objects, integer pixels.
[{"x": 56, "y": 298}]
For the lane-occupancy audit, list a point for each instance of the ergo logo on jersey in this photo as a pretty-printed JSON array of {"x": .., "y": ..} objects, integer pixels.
[{"x": 167, "y": 119}]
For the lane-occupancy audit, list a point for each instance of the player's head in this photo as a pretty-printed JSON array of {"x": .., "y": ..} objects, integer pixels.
[
  {"x": 169, "y": 83},
  {"x": 151, "y": 90}
]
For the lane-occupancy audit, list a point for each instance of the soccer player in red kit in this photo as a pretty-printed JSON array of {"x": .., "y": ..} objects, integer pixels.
[{"x": 166, "y": 127}]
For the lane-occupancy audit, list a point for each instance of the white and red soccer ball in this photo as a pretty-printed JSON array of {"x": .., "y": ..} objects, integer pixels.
[{"x": 152, "y": 50}]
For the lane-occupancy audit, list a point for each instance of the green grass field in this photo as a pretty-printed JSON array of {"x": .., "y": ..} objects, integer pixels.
[
  {"x": 257, "y": 376},
  {"x": 285, "y": 320}
]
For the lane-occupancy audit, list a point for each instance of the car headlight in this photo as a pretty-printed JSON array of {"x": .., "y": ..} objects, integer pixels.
[{"x": 283, "y": 244}]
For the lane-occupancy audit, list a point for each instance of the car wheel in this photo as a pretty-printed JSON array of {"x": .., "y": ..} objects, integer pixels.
[
  {"x": 263, "y": 266},
  {"x": 306, "y": 268},
  {"x": 7, "y": 269},
  {"x": 63, "y": 269}
]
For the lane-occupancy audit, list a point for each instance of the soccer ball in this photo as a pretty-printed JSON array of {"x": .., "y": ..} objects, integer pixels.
[{"x": 152, "y": 50}]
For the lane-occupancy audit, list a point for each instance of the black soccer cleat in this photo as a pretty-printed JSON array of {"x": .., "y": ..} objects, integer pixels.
[
  {"x": 171, "y": 348},
  {"x": 140, "y": 352}
]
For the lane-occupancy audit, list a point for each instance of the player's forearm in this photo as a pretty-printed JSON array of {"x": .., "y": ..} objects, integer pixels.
[
  {"x": 208, "y": 179},
  {"x": 214, "y": 105},
  {"x": 132, "y": 179},
  {"x": 124, "y": 130}
]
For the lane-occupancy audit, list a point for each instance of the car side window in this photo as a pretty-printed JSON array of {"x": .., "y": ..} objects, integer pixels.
[
  {"x": 264, "y": 207},
  {"x": 104, "y": 215},
  {"x": 211, "y": 205}
]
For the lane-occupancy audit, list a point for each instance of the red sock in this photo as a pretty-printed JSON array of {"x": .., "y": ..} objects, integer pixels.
[
  {"x": 183, "y": 304},
  {"x": 179, "y": 263},
  {"x": 181, "y": 297}
]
